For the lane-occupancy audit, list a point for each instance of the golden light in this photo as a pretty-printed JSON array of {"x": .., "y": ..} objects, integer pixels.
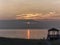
[
  {"x": 36, "y": 16},
  {"x": 27, "y": 16},
  {"x": 28, "y": 34},
  {"x": 28, "y": 31}
]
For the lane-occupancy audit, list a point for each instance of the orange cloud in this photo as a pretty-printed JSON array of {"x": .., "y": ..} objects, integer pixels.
[{"x": 50, "y": 15}]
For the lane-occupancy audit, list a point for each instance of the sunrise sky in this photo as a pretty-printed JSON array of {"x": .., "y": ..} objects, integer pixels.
[{"x": 29, "y": 9}]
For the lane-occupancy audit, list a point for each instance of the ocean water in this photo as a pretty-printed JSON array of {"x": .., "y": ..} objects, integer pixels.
[{"x": 23, "y": 33}]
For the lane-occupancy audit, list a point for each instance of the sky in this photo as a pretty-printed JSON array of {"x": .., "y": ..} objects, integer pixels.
[{"x": 29, "y": 9}]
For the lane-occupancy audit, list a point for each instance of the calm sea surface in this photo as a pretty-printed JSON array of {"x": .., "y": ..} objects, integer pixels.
[{"x": 22, "y": 33}]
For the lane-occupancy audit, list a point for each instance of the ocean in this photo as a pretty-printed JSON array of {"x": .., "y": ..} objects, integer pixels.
[{"x": 24, "y": 34}]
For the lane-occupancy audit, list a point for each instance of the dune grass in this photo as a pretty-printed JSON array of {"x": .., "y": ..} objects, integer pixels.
[
  {"x": 56, "y": 42},
  {"x": 15, "y": 41}
]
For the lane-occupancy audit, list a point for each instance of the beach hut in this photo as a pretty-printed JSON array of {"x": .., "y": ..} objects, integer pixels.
[{"x": 53, "y": 34}]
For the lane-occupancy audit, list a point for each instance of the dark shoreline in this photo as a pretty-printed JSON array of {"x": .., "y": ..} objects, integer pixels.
[
  {"x": 21, "y": 41},
  {"x": 17, "y": 41}
]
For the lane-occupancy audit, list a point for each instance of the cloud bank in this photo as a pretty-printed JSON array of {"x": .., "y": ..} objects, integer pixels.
[{"x": 50, "y": 15}]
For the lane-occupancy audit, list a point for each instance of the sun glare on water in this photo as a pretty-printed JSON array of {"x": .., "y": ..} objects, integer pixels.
[{"x": 28, "y": 34}]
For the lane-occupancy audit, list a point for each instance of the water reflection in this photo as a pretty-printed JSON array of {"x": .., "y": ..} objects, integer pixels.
[{"x": 22, "y": 33}]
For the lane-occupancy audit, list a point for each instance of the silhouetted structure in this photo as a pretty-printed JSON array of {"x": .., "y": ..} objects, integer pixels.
[{"x": 53, "y": 34}]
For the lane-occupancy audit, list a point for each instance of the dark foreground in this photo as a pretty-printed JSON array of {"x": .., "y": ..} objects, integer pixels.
[{"x": 15, "y": 41}]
